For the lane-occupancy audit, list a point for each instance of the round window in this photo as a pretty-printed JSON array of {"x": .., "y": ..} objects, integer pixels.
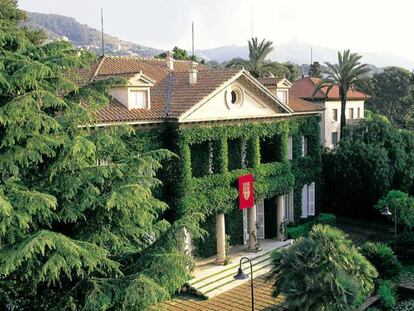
[{"x": 234, "y": 97}]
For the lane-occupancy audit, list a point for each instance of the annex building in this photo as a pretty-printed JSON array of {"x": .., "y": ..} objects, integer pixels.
[{"x": 331, "y": 116}]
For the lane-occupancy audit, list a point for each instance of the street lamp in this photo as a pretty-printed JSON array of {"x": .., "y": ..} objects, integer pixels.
[
  {"x": 242, "y": 276},
  {"x": 386, "y": 212}
]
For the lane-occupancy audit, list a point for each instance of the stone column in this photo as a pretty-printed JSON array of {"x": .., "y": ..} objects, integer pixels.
[
  {"x": 221, "y": 238},
  {"x": 187, "y": 245},
  {"x": 280, "y": 218},
  {"x": 252, "y": 227}
]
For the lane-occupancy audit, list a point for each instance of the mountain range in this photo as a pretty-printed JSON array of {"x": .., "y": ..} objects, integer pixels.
[
  {"x": 63, "y": 27},
  {"x": 67, "y": 28}
]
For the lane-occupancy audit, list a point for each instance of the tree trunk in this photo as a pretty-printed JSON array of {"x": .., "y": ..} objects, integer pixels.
[{"x": 343, "y": 97}]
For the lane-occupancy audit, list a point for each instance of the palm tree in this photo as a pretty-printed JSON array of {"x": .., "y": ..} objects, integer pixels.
[
  {"x": 258, "y": 64},
  {"x": 347, "y": 74}
]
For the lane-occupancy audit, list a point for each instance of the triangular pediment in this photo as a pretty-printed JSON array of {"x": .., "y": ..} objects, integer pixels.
[
  {"x": 242, "y": 98},
  {"x": 140, "y": 80},
  {"x": 284, "y": 83}
]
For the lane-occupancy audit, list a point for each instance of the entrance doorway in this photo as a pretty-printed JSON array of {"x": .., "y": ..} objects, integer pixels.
[{"x": 270, "y": 218}]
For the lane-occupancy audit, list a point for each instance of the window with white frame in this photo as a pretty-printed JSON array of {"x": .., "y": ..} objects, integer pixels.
[
  {"x": 139, "y": 99},
  {"x": 288, "y": 201},
  {"x": 304, "y": 146},
  {"x": 290, "y": 148},
  {"x": 335, "y": 115},
  {"x": 282, "y": 95},
  {"x": 308, "y": 200},
  {"x": 351, "y": 113},
  {"x": 359, "y": 113}
]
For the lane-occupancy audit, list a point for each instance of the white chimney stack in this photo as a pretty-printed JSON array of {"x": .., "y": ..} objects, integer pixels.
[
  {"x": 170, "y": 60},
  {"x": 193, "y": 73}
]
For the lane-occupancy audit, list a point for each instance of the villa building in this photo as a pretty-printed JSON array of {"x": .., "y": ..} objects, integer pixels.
[
  {"x": 331, "y": 117},
  {"x": 222, "y": 123}
]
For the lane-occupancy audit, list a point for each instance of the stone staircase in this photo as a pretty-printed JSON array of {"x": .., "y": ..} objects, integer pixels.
[{"x": 218, "y": 279}]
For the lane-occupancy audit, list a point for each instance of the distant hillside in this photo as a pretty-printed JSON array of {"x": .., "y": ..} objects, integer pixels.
[
  {"x": 299, "y": 53},
  {"x": 58, "y": 27}
]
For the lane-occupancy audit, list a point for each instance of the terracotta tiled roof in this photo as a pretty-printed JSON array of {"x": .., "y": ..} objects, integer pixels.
[
  {"x": 269, "y": 81},
  {"x": 183, "y": 95},
  {"x": 304, "y": 87},
  {"x": 300, "y": 105}
]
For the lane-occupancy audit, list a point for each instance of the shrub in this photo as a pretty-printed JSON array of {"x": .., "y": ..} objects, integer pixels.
[
  {"x": 405, "y": 246},
  {"x": 327, "y": 219},
  {"x": 383, "y": 258},
  {"x": 323, "y": 271},
  {"x": 403, "y": 204},
  {"x": 407, "y": 305},
  {"x": 296, "y": 231},
  {"x": 387, "y": 296}
]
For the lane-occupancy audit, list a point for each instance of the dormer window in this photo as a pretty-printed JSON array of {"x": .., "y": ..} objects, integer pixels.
[
  {"x": 282, "y": 95},
  {"x": 139, "y": 99},
  {"x": 135, "y": 95}
]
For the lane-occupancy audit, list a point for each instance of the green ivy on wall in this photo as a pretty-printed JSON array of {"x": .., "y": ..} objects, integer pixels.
[{"x": 217, "y": 192}]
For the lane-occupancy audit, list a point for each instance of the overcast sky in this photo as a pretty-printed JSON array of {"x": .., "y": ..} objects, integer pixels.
[{"x": 361, "y": 25}]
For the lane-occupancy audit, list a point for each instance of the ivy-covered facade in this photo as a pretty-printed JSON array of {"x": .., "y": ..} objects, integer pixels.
[
  {"x": 211, "y": 157},
  {"x": 222, "y": 124}
]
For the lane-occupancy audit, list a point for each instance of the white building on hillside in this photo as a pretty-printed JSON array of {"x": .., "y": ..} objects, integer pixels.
[{"x": 331, "y": 117}]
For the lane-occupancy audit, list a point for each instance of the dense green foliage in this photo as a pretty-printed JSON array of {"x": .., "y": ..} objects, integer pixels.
[
  {"x": 383, "y": 259},
  {"x": 407, "y": 305},
  {"x": 258, "y": 64},
  {"x": 293, "y": 71},
  {"x": 74, "y": 234},
  {"x": 373, "y": 158},
  {"x": 181, "y": 54},
  {"x": 209, "y": 194},
  {"x": 347, "y": 74},
  {"x": 297, "y": 230},
  {"x": 387, "y": 296},
  {"x": 405, "y": 246},
  {"x": 323, "y": 271},
  {"x": 401, "y": 205},
  {"x": 393, "y": 95},
  {"x": 315, "y": 70}
]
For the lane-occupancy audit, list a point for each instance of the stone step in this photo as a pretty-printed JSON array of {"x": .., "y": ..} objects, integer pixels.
[
  {"x": 214, "y": 273},
  {"x": 228, "y": 282},
  {"x": 217, "y": 280}
]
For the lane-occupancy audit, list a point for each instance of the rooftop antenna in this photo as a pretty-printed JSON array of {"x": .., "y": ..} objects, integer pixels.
[
  {"x": 192, "y": 41},
  {"x": 102, "y": 26},
  {"x": 251, "y": 21},
  {"x": 311, "y": 55}
]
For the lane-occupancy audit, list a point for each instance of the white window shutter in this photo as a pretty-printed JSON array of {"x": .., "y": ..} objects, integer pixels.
[
  {"x": 305, "y": 201},
  {"x": 290, "y": 148},
  {"x": 303, "y": 146},
  {"x": 311, "y": 191}
]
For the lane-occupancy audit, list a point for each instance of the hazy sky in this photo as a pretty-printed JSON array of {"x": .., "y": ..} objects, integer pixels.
[{"x": 361, "y": 25}]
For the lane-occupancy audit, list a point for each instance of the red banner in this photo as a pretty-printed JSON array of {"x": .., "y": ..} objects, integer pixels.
[{"x": 246, "y": 191}]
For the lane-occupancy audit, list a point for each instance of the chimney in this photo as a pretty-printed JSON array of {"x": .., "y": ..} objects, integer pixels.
[
  {"x": 193, "y": 73},
  {"x": 170, "y": 60}
]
